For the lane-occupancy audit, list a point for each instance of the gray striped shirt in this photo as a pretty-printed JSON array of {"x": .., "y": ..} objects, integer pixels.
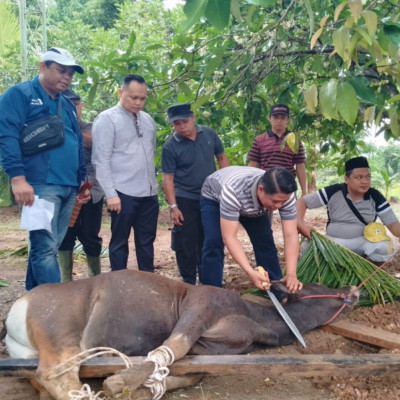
[{"x": 235, "y": 188}]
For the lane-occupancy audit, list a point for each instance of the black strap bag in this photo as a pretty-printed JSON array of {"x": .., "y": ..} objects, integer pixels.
[{"x": 43, "y": 134}]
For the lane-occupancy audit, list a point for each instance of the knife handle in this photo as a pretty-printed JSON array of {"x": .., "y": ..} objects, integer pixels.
[{"x": 261, "y": 270}]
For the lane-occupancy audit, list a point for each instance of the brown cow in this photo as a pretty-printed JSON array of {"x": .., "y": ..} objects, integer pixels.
[{"x": 136, "y": 312}]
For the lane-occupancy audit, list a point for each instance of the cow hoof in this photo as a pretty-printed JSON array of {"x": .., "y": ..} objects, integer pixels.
[
  {"x": 113, "y": 384},
  {"x": 141, "y": 394},
  {"x": 127, "y": 394},
  {"x": 130, "y": 378}
]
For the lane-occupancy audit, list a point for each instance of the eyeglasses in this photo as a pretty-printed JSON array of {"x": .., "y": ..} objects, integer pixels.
[{"x": 137, "y": 126}]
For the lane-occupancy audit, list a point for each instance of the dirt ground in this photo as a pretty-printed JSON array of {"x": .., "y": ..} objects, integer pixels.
[{"x": 223, "y": 387}]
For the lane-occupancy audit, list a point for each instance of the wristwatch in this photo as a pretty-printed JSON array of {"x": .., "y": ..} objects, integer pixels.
[{"x": 173, "y": 206}]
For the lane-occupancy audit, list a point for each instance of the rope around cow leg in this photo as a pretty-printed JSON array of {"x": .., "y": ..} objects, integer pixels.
[
  {"x": 161, "y": 357},
  {"x": 75, "y": 361},
  {"x": 85, "y": 393},
  {"x": 78, "y": 359}
]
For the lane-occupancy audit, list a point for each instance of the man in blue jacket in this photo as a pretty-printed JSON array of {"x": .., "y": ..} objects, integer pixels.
[{"x": 54, "y": 175}]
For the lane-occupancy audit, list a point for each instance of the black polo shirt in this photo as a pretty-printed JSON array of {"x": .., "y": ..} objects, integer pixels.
[{"x": 191, "y": 161}]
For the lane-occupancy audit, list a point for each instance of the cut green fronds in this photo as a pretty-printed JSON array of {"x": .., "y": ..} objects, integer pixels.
[{"x": 333, "y": 265}]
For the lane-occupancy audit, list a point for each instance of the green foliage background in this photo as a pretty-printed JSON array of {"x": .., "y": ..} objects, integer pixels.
[{"x": 335, "y": 63}]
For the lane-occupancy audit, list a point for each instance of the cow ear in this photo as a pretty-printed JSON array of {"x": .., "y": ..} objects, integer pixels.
[{"x": 278, "y": 285}]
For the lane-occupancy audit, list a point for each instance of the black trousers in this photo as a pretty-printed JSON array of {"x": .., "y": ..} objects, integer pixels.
[
  {"x": 187, "y": 240},
  {"x": 86, "y": 230},
  {"x": 141, "y": 214}
]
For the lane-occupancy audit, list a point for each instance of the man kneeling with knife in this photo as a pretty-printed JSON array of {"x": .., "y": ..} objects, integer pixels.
[{"x": 245, "y": 195}]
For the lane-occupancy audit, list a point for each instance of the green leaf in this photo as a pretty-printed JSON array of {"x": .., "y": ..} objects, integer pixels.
[
  {"x": 212, "y": 64},
  {"x": 369, "y": 115},
  {"x": 4, "y": 283},
  {"x": 182, "y": 98},
  {"x": 363, "y": 32},
  {"x": 185, "y": 89},
  {"x": 307, "y": 4},
  {"x": 347, "y": 102},
  {"x": 327, "y": 99},
  {"x": 371, "y": 21},
  {"x": 394, "y": 99},
  {"x": 394, "y": 122},
  {"x": 341, "y": 41},
  {"x": 263, "y": 3},
  {"x": 92, "y": 93},
  {"x": 355, "y": 8},
  {"x": 311, "y": 98},
  {"x": 364, "y": 92},
  {"x": 218, "y": 13},
  {"x": 194, "y": 10},
  {"x": 131, "y": 42},
  {"x": 200, "y": 101},
  {"x": 235, "y": 10},
  {"x": 392, "y": 32},
  {"x": 9, "y": 28},
  {"x": 156, "y": 46}
]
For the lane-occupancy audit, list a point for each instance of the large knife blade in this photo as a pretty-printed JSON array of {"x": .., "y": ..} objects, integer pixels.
[{"x": 285, "y": 316}]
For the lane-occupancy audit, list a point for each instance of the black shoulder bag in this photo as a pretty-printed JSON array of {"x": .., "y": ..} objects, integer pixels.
[{"x": 43, "y": 134}]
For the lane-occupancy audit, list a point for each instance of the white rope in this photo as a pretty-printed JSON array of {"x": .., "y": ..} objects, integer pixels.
[
  {"x": 85, "y": 393},
  {"x": 78, "y": 359},
  {"x": 161, "y": 357}
]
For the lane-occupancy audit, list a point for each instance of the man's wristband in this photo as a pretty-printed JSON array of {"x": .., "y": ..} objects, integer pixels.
[{"x": 173, "y": 206}]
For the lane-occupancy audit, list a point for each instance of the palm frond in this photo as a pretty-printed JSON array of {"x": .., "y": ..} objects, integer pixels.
[{"x": 334, "y": 266}]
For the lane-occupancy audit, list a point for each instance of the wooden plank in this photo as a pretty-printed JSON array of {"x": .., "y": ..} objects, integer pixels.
[
  {"x": 308, "y": 365},
  {"x": 362, "y": 333}
]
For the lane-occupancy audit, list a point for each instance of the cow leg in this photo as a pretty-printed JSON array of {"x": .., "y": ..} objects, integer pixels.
[
  {"x": 43, "y": 393},
  {"x": 130, "y": 378},
  {"x": 234, "y": 334},
  {"x": 134, "y": 392},
  {"x": 58, "y": 386}
]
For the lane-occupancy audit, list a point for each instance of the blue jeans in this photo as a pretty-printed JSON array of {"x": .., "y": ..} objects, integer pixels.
[
  {"x": 260, "y": 234},
  {"x": 42, "y": 262}
]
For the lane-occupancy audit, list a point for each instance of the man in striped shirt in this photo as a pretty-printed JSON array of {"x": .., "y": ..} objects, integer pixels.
[
  {"x": 234, "y": 195},
  {"x": 346, "y": 226},
  {"x": 266, "y": 151}
]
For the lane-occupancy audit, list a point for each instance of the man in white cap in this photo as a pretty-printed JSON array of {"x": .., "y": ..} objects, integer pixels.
[{"x": 54, "y": 175}]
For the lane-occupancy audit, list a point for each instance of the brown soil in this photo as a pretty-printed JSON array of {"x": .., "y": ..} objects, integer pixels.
[{"x": 12, "y": 269}]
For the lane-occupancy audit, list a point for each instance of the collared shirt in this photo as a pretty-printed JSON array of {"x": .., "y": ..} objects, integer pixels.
[
  {"x": 268, "y": 153},
  {"x": 123, "y": 157},
  {"x": 191, "y": 161},
  {"x": 235, "y": 188},
  {"x": 343, "y": 223}
]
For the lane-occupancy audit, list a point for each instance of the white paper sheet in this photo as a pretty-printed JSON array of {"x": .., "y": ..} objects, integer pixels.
[{"x": 38, "y": 216}]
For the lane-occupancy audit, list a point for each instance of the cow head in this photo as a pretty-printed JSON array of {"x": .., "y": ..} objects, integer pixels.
[{"x": 327, "y": 304}]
